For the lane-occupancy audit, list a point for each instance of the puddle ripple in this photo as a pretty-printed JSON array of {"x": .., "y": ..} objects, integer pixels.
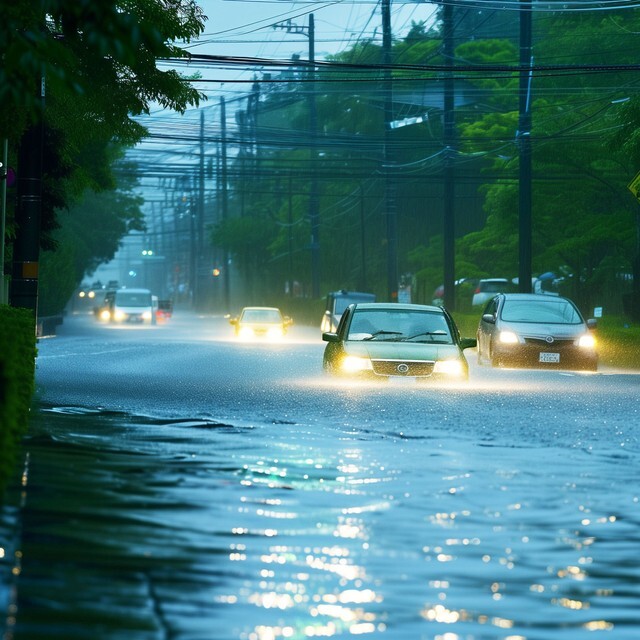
[{"x": 134, "y": 528}]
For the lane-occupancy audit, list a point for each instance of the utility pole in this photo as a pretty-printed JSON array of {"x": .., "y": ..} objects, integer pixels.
[
  {"x": 26, "y": 245},
  {"x": 388, "y": 158},
  {"x": 3, "y": 213},
  {"x": 200, "y": 219},
  {"x": 226, "y": 276},
  {"x": 449, "y": 223},
  {"x": 314, "y": 204},
  {"x": 524, "y": 139}
]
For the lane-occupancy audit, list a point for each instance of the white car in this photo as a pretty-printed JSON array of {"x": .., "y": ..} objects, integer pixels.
[
  {"x": 128, "y": 305},
  {"x": 488, "y": 287}
]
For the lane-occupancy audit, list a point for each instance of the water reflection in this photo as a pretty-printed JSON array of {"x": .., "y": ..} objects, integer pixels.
[{"x": 139, "y": 528}]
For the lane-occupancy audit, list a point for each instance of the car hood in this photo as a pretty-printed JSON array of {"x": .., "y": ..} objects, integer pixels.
[
  {"x": 389, "y": 350},
  {"x": 542, "y": 329}
]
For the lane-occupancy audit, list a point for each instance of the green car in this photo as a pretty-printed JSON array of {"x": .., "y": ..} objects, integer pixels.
[{"x": 392, "y": 341}]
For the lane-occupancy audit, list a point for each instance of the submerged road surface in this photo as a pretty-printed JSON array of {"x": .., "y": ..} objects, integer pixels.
[{"x": 179, "y": 484}]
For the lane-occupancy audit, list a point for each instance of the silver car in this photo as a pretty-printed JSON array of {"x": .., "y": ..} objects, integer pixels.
[{"x": 522, "y": 329}]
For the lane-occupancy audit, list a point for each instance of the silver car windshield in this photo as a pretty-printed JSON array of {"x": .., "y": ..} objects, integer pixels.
[
  {"x": 550, "y": 310},
  {"x": 399, "y": 326}
]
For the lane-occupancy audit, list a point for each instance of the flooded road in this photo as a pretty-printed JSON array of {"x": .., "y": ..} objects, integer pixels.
[{"x": 180, "y": 485}]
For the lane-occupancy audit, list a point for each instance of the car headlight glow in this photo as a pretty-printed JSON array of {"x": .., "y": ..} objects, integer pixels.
[
  {"x": 146, "y": 315},
  {"x": 354, "y": 364},
  {"x": 119, "y": 316},
  {"x": 246, "y": 332},
  {"x": 587, "y": 341},
  {"x": 104, "y": 314},
  {"x": 508, "y": 337},
  {"x": 448, "y": 367},
  {"x": 275, "y": 332}
]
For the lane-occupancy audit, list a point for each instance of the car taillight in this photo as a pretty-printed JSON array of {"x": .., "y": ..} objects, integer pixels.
[{"x": 478, "y": 290}]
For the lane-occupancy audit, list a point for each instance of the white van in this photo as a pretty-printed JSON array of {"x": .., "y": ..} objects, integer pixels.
[{"x": 130, "y": 305}]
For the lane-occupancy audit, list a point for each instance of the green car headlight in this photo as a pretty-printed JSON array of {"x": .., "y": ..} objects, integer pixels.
[
  {"x": 354, "y": 364},
  {"x": 448, "y": 367}
]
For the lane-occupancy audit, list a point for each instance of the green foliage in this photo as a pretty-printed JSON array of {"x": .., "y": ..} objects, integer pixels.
[
  {"x": 247, "y": 239},
  {"x": 57, "y": 279},
  {"x": 103, "y": 53},
  {"x": 583, "y": 215},
  {"x": 17, "y": 368},
  {"x": 99, "y": 62}
]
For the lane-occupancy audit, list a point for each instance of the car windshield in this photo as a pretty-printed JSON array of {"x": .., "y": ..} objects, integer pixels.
[
  {"x": 261, "y": 315},
  {"x": 133, "y": 298},
  {"x": 549, "y": 310},
  {"x": 400, "y": 326}
]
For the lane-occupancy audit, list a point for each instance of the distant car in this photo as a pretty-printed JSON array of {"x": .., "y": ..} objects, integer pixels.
[
  {"x": 164, "y": 310},
  {"x": 488, "y": 287},
  {"x": 261, "y": 322},
  {"x": 536, "y": 330},
  {"x": 335, "y": 304},
  {"x": 128, "y": 306},
  {"x": 391, "y": 341}
]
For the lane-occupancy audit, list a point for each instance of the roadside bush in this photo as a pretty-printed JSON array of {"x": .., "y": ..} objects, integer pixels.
[{"x": 17, "y": 381}]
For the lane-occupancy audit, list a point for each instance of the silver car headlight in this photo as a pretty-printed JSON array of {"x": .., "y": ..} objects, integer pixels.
[
  {"x": 354, "y": 364},
  {"x": 587, "y": 341},
  {"x": 508, "y": 337}
]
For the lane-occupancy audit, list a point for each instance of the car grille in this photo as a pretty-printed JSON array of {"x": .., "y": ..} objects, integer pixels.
[
  {"x": 410, "y": 368},
  {"x": 558, "y": 343}
]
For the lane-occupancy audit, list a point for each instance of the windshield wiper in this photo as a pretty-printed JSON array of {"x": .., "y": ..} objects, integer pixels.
[
  {"x": 439, "y": 332},
  {"x": 383, "y": 333}
]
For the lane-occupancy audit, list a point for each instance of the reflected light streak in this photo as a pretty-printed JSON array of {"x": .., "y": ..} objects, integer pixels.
[
  {"x": 349, "y": 531},
  {"x": 353, "y": 596},
  {"x": 440, "y": 613},
  {"x": 598, "y": 625},
  {"x": 575, "y": 573},
  {"x": 341, "y": 567},
  {"x": 272, "y": 600},
  {"x": 568, "y": 603}
]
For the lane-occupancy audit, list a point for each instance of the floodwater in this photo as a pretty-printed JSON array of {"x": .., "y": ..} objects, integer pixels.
[{"x": 393, "y": 514}]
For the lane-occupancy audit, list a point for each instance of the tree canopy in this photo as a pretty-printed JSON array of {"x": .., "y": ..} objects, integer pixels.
[
  {"x": 585, "y": 147},
  {"x": 99, "y": 61}
]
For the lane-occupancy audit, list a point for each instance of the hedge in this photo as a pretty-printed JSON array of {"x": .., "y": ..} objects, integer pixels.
[{"x": 17, "y": 383}]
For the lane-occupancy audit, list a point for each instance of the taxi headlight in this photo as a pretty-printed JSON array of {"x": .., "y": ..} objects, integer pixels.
[
  {"x": 448, "y": 367},
  {"x": 508, "y": 337},
  {"x": 587, "y": 341},
  {"x": 353, "y": 364},
  {"x": 275, "y": 332},
  {"x": 245, "y": 332}
]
